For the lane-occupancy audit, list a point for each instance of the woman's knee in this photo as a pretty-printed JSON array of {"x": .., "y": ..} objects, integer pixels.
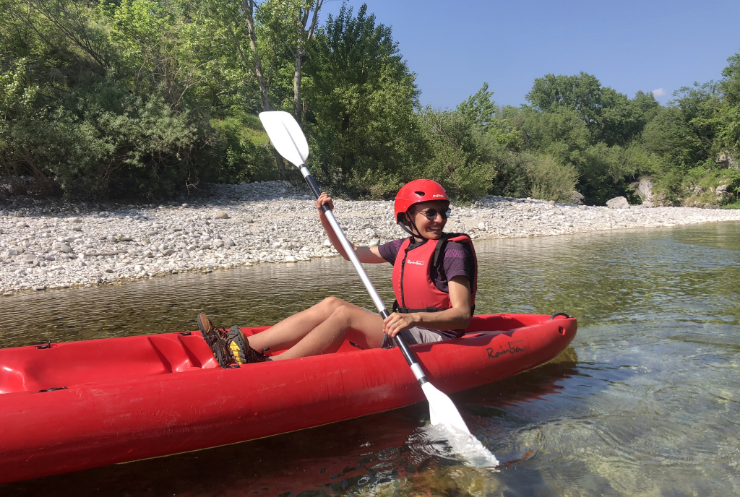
[
  {"x": 342, "y": 317},
  {"x": 331, "y": 303}
]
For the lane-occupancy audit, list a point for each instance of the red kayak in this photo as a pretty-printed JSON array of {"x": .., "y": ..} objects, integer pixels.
[{"x": 71, "y": 406}]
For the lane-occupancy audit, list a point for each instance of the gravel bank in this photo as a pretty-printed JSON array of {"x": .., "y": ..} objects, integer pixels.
[{"x": 51, "y": 244}]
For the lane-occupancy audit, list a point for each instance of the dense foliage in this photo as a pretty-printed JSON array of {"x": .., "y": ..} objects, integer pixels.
[{"x": 148, "y": 98}]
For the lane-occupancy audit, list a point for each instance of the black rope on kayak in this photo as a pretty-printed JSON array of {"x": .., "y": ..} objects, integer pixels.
[
  {"x": 45, "y": 346},
  {"x": 559, "y": 314},
  {"x": 52, "y": 389}
]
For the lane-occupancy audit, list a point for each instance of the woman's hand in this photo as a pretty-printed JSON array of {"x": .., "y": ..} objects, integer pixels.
[
  {"x": 324, "y": 199},
  {"x": 396, "y": 322}
]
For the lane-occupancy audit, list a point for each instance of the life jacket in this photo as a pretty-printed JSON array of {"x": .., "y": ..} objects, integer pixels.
[{"x": 412, "y": 280}]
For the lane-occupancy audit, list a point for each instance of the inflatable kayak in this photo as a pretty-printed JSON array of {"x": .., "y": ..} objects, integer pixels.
[{"x": 71, "y": 406}]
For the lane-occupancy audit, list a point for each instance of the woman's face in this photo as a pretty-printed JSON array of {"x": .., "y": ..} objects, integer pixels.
[{"x": 429, "y": 228}]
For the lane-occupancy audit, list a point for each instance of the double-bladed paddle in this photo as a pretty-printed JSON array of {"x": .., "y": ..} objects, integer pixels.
[{"x": 290, "y": 142}]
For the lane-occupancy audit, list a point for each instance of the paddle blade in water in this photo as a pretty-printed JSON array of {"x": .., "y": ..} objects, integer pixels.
[
  {"x": 441, "y": 409},
  {"x": 286, "y": 136}
]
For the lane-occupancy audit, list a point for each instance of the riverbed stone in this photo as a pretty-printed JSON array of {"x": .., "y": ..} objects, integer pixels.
[
  {"x": 269, "y": 222},
  {"x": 618, "y": 203}
]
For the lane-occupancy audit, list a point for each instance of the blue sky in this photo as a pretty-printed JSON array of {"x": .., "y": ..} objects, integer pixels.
[{"x": 648, "y": 45}]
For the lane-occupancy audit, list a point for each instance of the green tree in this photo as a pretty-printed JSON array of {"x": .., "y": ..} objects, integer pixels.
[
  {"x": 111, "y": 113},
  {"x": 622, "y": 119},
  {"x": 462, "y": 154},
  {"x": 728, "y": 133},
  {"x": 479, "y": 108},
  {"x": 559, "y": 132},
  {"x": 360, "y": 103},
  {"x": 683, "y": 133},
  {"x": 581, "y": 93},
  {"x": 294, "y": 22}
]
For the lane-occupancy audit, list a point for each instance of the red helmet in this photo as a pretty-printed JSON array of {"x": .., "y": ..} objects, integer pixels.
[{"x": 416, "y": 192}]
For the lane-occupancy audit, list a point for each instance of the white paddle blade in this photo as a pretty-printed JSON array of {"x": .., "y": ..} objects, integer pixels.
[
  {"x": 442, "y": 411},
  {"x": 286, "y": 136}
]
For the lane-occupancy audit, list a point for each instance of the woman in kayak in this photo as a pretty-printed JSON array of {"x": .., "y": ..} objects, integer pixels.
[{"x": 434, "y": 281}]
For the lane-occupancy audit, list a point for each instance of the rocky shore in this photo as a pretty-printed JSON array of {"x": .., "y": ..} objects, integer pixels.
[{"x": 52, "y": 244}]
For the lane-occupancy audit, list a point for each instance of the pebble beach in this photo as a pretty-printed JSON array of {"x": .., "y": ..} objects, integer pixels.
[{"x": 51, "y": 244}]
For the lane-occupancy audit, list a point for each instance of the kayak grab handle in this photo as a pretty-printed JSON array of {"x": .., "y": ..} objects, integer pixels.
[
  {"x": 559, "y": 314},
  {"x": 52, "y": 389},
  {"x": 44, "y": 346}
]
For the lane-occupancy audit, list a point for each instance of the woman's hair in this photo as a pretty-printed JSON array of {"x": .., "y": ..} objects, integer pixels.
[{"x": 403, "y": 218}]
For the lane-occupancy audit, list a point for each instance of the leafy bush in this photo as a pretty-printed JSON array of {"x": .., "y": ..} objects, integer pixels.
[
  {"x": 732, "y": 178},
  {"x": 512, "y": 178},
  {"x": 551, "y": 180},
  {"x": 108, "y": 142},
  {"x": 461, "y": 154},
  {"x": 244, "y": 149}
]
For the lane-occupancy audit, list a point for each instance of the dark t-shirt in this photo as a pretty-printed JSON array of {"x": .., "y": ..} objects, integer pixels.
[{"x": 455, "y": 261}]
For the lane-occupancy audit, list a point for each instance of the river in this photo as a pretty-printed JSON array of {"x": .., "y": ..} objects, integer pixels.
[{"x": 646, "y": 401}]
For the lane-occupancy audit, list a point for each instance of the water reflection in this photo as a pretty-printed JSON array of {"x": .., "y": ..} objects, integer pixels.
[{"x": 645, "y": 402}]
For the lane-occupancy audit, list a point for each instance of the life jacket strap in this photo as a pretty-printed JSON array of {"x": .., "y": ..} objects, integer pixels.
[{"x": 406, "y": 310}]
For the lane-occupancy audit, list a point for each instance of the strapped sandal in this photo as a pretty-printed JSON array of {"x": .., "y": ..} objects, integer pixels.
[
  {"x": 237, "y": 345},
  {"x": 215, "y": 341}
]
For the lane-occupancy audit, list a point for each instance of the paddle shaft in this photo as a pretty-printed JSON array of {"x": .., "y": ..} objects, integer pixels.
[{"x": 349, "y": 250}]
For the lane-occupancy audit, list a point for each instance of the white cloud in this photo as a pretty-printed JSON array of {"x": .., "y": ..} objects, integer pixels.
[{"x": 660, "y": 92}]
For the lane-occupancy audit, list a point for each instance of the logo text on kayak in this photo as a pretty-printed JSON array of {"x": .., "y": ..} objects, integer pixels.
[{"x": 514, "y": 347}]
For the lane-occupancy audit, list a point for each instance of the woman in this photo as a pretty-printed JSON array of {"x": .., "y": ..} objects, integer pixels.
[{"x": 434, "y": 280}]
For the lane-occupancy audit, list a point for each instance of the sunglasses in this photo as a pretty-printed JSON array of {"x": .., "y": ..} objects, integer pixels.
[{"x": 431, "y": 214}]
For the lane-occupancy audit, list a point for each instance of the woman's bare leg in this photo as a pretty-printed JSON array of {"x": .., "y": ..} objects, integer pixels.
[
  {"x": 291, "y": 330},
  {"x": 347, "y": 321}
]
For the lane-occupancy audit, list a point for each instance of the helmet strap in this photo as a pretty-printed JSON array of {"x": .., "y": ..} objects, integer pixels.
[{"x": 413, "y": 225}]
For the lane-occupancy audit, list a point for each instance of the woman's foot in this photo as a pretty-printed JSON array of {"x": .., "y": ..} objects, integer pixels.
[
  {"x": 238, "y": 346},
  {"x": 215, "y": 340}
]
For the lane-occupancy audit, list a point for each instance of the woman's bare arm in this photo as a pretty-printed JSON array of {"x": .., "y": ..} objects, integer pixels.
[
  {"x": 455, "y": 318},
  {"x": 368, "y": 255}
]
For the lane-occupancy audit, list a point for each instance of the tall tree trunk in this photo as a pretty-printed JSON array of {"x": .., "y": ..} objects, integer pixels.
[
  {"x": 248, "y": 7},
  {"x": 297, "y": 107},
  {"x": 259, "y": 73},
  {"x": 305, "y": 34}
]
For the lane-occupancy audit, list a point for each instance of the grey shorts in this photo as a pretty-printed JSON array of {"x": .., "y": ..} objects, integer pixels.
[{"x": 413, "y": 336}]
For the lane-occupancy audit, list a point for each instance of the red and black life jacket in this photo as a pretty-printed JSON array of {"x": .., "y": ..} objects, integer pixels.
[{"x": 412, "y": 280}]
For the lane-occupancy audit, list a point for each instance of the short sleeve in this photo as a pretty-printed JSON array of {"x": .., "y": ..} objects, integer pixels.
[
  {"x": 389, "y": 251},
  {"x": 458, "y": 261}
]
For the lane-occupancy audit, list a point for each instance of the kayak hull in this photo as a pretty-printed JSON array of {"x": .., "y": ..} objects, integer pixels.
[{"x": 79, "y": 405}]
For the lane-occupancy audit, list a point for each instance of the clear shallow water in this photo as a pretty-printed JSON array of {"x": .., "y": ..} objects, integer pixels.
[{"x": 645, "y": 402}]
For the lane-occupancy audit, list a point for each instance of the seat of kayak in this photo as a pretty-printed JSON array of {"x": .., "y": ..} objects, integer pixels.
[{"x": 35, "y": 368}]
